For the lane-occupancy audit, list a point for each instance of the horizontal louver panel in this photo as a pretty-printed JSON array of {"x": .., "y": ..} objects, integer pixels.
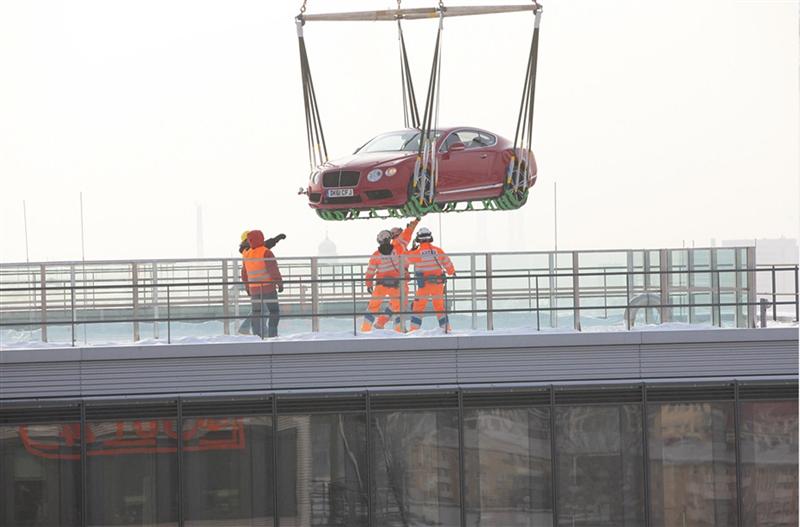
[
  {"x": 422, "y": 401},
  {"x": 228, "y": 407},
  {"x": 690, "y": 393},
  {"x": 768, "y": 391},
  {"x": 493, "y": 399},
  {"x": 334, "y": 404},
  {"x": 599, "y": 395},
  {"x": 40, "y": 414},
  {"x": 132, "y": 410}
]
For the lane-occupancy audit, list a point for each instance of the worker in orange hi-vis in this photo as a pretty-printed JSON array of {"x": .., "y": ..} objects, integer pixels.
[
  {"x": 430, "y": 265},
  {"x": 383, "y": 280},
  {"x": 400, "y": 240}
]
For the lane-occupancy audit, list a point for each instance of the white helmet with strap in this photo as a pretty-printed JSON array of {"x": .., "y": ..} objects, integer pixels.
[{"x": 424, "y": 235}]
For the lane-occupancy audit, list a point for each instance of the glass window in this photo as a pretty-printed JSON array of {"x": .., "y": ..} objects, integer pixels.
[
  {"x": 416, "y": 469},
  {"x": 132, "y": 472},
  {"x": 769, "y": 463},
  {"x": 600, "y": 468},
  {"x": 323, "y": 469},
  {"x": 227, "y": 471},
  {"x": 507, "y": 467},
  {"x": 405, "y": 141},
  {"x": 40, "y": 474},
  {"x": 692, "y": 464}
]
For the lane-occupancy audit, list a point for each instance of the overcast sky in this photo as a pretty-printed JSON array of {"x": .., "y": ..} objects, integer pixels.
[{"x": 660, "y": 122}]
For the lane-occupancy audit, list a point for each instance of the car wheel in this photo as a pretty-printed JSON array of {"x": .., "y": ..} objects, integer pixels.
[
  {"x": 424, "y": 191},
  {"x": 517, "y": 184}
]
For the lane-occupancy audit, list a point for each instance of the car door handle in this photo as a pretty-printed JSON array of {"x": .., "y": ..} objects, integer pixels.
[{"x": 484, "y": 156}]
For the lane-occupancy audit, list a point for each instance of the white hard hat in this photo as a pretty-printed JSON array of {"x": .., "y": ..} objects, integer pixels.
[
  {"x": 384, "y": 236},
  {"x": 424, "y": 235}
]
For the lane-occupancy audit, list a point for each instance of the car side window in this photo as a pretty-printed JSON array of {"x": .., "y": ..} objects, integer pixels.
[{"x": 470, "y": 138}]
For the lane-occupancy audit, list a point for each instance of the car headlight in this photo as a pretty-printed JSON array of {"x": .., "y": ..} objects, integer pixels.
[
  {"x": 374, "y": 175},
  {"x": 391, "y": 171}
]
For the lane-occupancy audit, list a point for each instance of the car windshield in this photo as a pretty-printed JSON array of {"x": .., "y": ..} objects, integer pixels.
[{"x": 405, "y": 141}]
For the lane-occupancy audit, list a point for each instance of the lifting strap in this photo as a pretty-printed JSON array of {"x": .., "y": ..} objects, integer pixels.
[
  {"x": 317, "y": 149},
  {"x": 426, "y": 169},
  {"x": 518, "y": 169},
  {"x": 410, "y": 110}
]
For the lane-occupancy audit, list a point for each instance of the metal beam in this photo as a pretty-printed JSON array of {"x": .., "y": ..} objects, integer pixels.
[{"x": 420, "y": 13}]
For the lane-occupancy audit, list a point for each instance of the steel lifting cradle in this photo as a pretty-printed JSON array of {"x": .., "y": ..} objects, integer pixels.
[{"x": 421, "y": 200}]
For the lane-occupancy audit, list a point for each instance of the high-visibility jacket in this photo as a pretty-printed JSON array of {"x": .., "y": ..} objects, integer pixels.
[
  {"x": 260, "y": 271},
  {"x": 430, "y": 260},
  {"x": 383, "y": 267},
  {"x": 400, "y": 243}
]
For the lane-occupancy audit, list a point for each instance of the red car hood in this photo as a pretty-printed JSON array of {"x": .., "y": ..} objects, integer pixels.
[{"x": 367, "y": 160}]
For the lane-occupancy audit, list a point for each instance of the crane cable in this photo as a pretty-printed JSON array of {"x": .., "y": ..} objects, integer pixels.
[
  {"x": 317, "y": 148},
  {"x": 518, "y": 169}
]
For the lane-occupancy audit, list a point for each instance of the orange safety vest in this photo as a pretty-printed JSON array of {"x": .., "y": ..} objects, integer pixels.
[
  {"x": 258, "y": 275},
  {"x": 383, "y": 266},
  {"x": 430, "y": 260}
]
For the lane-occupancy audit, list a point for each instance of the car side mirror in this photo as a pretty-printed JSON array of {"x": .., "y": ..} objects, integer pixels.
[{"x": 457, "y": 147}]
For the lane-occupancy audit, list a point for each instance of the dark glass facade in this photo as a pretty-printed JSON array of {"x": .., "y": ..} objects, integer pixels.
[{"x": 630, "y": 456}]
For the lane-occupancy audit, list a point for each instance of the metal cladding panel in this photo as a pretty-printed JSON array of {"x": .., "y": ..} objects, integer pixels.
[
  {"x": 701, "y": 359},
  {"x": 190, "y": 374},
  {"x": 548, "y": 364},
  {"x": 30, "y": 380},
  {"x": 311, "y": 370}
]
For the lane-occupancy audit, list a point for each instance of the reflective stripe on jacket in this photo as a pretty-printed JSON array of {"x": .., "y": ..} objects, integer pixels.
[
  {"x": 382, "y": 266},
  {"x": 430, "y": 260}
]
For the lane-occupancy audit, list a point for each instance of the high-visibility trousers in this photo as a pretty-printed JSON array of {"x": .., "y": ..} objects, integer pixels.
[
  {"x": 378, "y": 295},
  {"x": 383, "y": 319},
  {"x": 435, "y": 293}
]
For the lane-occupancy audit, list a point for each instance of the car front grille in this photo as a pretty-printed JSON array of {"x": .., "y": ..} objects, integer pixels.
[
  {"x": 379, "y": 194},
  {"x": 340, "y": 178},
  {"x": 344, "y": 200}
]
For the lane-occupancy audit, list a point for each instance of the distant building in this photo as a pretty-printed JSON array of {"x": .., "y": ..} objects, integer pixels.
[{"x": 327, "y": 248}]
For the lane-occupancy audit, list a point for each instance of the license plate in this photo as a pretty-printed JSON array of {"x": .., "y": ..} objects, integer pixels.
[{"x": 340, "y": 192}]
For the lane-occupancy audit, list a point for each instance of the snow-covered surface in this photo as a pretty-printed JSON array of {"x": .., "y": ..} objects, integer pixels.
[{"x": 11, "y": 339}]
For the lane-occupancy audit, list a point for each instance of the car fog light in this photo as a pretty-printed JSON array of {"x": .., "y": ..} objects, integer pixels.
[
  {"x": 374, "y": 175},
  {"x": 391, "y": 171}
]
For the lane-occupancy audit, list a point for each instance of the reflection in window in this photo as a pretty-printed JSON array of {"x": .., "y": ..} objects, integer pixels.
[
  {"x": 40, "y": 474},
  {"x": 132, "y": 472},
  {"x": 600, "y": 471},
  {"x": 507, "y": 467},
  {"x": 227, "y": 471},
  {"x": 692, "y": 464},
  {"x": 769, "y": 463},
  {"x": 415, "y": 465},
  {"x": 322, "y": 470}
]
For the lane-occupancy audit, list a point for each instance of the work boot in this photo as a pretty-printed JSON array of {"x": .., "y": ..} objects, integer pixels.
[{"x": 366, "y": 326}]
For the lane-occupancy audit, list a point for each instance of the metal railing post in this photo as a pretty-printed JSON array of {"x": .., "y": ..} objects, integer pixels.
[
  {"x": 663, "y": 278},
  {"x": 405, "y": 286},
  {"x": 716, "y": 310},
  {"x": 752, "y": 289},
  {"x": 627, "y": 300},
  {"x": 355, "y": 315},
  {"x": 538, "y": 323},
  {"x": 72, "y": 302},
  {"x": 156, "y": 310},
  {"x": 553, "y": 289},
  {"x": 489, "y": 293},
  {"x": 314, "y": 294},
  {"x": 796, "y": 295},
  {"x": 473, "y": 292},
  {"x": 226, "y": 312},
  {"x": 169, "y": 317},
  {"x": 737, "y": 264},
  {"x": 763, "y": 307},
  {"x": 43, "y": 289},
  {"x": 135, "y": 292},
  {"x": 576, "y": 293},
  {"x": 774, "y": 297}
]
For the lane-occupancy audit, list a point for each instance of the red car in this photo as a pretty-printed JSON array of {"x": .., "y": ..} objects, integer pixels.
[{"x": 473, "y": 165}]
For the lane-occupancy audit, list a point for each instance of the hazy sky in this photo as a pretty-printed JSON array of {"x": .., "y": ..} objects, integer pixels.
[{"x": 660, "y": 122}]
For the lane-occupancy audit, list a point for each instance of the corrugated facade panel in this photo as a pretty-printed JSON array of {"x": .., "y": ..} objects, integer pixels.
[
  {"x": 723, "y": 358},
  {"x": 311, "y": 370},
  {"x": 546, "y": 364},
  {"x": 360, "y": 363},
  {"x": 39, "y": 379},
  {"x": 175, "y": 375}
]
